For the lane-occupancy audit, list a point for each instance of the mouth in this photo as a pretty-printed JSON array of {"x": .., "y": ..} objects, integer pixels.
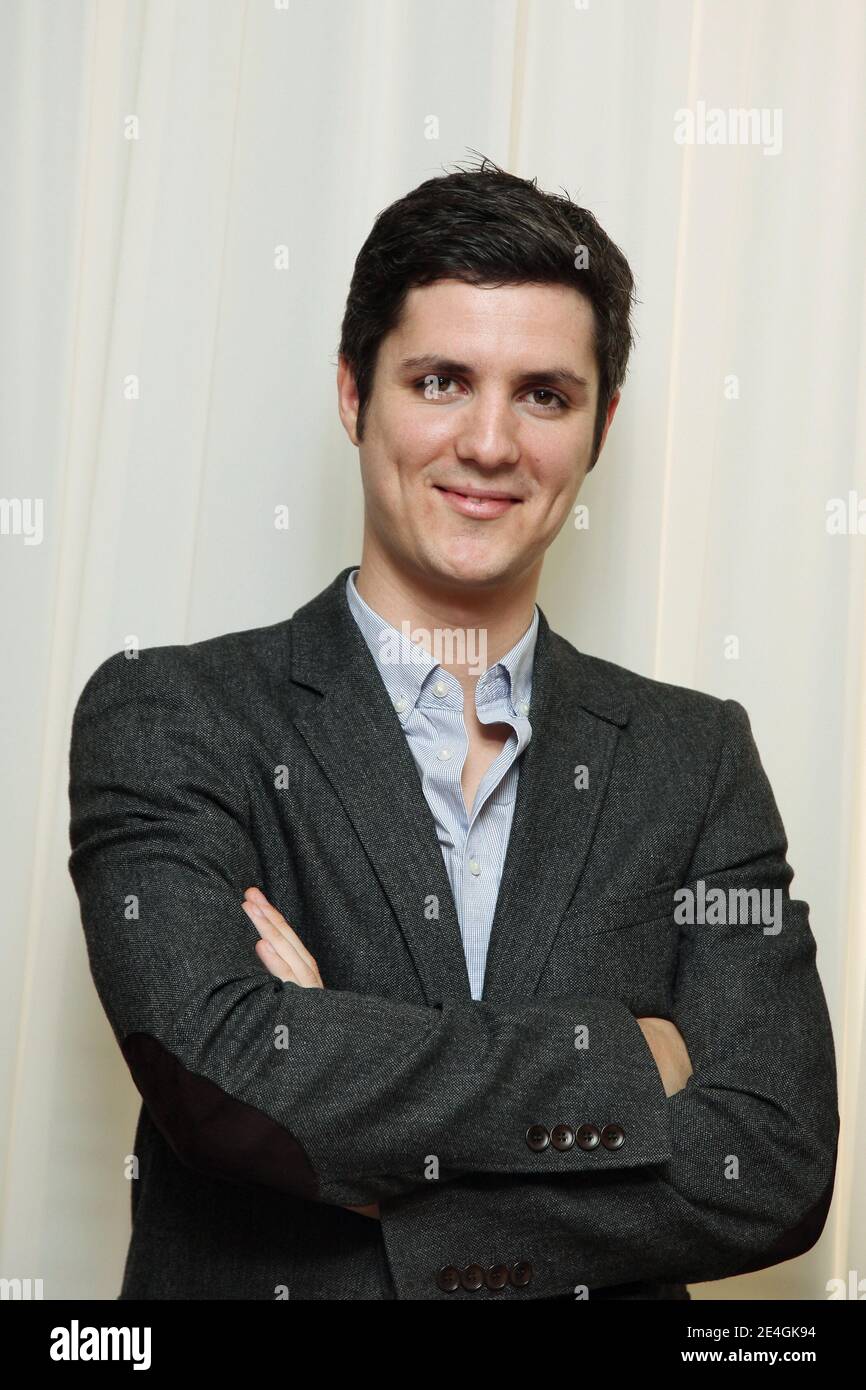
[{"x": 484, "y": 506}]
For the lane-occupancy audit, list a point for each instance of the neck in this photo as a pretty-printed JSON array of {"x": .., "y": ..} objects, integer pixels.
[{"x": 489, "y": 621}]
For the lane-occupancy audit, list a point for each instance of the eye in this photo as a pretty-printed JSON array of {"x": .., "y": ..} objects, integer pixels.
[
  {"x": 432, "y": 384},
  {"x": 555, "y": 403}
]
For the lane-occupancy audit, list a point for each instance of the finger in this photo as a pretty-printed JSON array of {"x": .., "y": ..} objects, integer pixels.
[
  {"x": 256, "y": 898},
  {"x": 266, "y": 912},
  {"x": 276, "y": 939},
  {"x": 274, "y": 963},
  {"x": 302, "y": 973},
  {"x": 372, "y": 1209}
]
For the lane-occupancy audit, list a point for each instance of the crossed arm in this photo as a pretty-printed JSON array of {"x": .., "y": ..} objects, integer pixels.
[{"x": 285, "y": 956}]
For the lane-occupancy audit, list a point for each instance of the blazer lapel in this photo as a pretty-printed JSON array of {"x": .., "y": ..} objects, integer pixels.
[
  {"x": 575, "y": 724},
  {"x": 355, "y": 736}
]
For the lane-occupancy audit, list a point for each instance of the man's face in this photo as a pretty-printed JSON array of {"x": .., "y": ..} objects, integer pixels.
[{"x": 478, "y": 432}]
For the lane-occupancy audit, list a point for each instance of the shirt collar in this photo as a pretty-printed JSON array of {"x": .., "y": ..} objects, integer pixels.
[{"x": 409, "y": 672}]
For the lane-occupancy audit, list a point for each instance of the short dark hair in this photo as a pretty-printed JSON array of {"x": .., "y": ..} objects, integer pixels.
[{"x": 487, "y": 227}]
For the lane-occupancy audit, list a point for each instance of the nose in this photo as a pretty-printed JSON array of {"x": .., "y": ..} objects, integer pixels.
[{"x": 487, "y": 431}]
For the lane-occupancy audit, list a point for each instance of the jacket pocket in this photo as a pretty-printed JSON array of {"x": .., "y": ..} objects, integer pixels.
[
  {"x": 625, "y": 949},
  {"x": 588, "y": 917}
]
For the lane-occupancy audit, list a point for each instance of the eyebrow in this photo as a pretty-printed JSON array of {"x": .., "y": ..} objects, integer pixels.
[{"x": 447, "y": 366}]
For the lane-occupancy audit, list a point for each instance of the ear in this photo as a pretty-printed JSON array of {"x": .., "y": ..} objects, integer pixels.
[
  {"x": 611, "y": 411},
  {"x": 347, "y": 399}
]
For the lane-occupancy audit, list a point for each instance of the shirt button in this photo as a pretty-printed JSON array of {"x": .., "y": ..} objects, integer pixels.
[
  {"x": 474, "y": 866},
  {"x": 444, "y": 754},
  {"x": 523, "y": 706},
  {"x": 440, "y": 688},
  {"x": 400, "y": 705}
]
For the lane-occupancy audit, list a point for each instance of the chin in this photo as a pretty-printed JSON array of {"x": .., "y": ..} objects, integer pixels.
[{"x": 469, "y": 570}]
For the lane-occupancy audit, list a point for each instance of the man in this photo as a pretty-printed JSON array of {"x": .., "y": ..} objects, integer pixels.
[{"x": 449, "y": 961}]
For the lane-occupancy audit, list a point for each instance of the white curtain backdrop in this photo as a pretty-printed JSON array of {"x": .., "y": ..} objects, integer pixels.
[{"x": 166, "y": 382}]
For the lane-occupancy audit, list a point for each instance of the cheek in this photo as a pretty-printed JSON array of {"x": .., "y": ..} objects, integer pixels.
[
  {"x": 415, "y": 437},
  {"x": 389, "y": 469},
  {"x": 401, "y": 451},
  {"x": 396, "y": 417},
  {"x": 558, "y": 480}
]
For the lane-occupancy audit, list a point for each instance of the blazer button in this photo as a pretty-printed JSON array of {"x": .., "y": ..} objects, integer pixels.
[
  {"x": 537, "y": 1138},
  {"x": 521, "y": 1273},
  {"x": 613, "y": 1136},
  {"x": 588, "y": 1136},
  {"x": 496, "y": 1277},
  {"x": 472, "y": 1277},
  {"x": 562, "y": 1136},
  {"x": 448, "y": 1278}
]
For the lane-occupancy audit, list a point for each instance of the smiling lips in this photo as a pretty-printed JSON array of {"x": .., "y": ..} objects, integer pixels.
[{"x": 483, "y": 506}]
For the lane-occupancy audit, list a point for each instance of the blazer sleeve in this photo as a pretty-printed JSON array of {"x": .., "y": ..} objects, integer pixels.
[
  {"x": 331, "y": 1095},
  {"x": 753, "y": 1134}
]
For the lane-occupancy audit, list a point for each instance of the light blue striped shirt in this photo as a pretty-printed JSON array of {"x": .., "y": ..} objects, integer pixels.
[{"x": 428, "y": 701}]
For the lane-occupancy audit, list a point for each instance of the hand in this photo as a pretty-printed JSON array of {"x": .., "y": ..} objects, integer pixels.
[
  {"x": 668, "y": 1047},
  {"x": 371, "y": 1210},
  {"x": 284, "y": 954},
  {"x": 281, "y": 950}
]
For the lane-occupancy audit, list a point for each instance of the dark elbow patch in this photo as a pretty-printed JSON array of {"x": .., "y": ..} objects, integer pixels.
[
  {"x": 212, "y": 1131},
  {"x": 801, "y": 1237}
]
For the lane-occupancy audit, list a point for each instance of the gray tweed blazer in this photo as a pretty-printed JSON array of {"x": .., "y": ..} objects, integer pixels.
[{"x": 520, "y": 1146}]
